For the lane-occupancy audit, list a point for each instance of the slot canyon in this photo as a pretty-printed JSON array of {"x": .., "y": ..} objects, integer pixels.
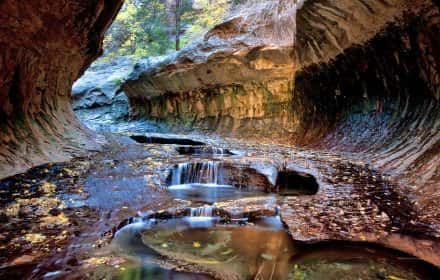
[{"x": 288, "y": 139}]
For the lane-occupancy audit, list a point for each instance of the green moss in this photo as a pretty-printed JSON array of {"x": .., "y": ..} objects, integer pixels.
[{"x": 118, "y": 82}]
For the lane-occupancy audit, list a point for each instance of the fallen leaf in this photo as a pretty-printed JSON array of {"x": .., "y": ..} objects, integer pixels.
[
  {"x": 47, "y": 187},
  {"x": 267, "y": 257},
  {"x": 35, "y": 237},
  {"x": 392, "y": 277},
  {"x": 227, "y": 252},
  {"x": 23, "y": 260}
]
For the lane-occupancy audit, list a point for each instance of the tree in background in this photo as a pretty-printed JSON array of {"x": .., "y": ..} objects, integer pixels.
[
  {"x": 179, "y": 9},
  {"x": 153, "y": 27},
  {"x": 138, "y": 30},
  {"x": 207, "y": 14}
]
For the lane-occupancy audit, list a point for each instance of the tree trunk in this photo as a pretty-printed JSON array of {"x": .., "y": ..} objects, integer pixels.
[{"x": 178, "y": 15}]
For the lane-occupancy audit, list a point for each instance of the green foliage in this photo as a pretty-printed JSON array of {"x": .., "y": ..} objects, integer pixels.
[
  {"x": 210, "y": 14},
  {"x": 298, "y": 274},
  {"x": 139, "y": 30},
  {"x": 117, "y": 81},
  {"x": 153, "y": 27}
]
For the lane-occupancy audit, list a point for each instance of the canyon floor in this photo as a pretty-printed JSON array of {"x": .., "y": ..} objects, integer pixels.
[{"x": 191, "y": 206}]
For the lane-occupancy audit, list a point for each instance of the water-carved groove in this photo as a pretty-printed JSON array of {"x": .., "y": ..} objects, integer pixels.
[
  {"x": 290, "y": 182},
  {"x": 165, "y": 140}
]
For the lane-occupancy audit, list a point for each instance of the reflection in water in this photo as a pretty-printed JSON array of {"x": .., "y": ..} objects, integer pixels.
[
  {"x": 342, "y": 261},
  {"x": 234, "y": 251},
  {"x": 261, "y": 250},
  {"x": 145, "y": 272},
  {"x": 128, "y": 242},
  {"x": 209, "y": 193}
]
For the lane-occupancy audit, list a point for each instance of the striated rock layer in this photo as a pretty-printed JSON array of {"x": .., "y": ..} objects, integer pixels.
[
  {"x": 379, "y": 98},
  {"x": 359, "y": 76},
  {"x": 238, "y": 78},
  {"x": 248, "y": 74},
  {"x": 46, "y": 45}
]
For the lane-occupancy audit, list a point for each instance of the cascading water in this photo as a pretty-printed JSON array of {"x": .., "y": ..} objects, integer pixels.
[
  {"x": 209, "y": 172},
  {"x": 203, "y": 182},
  {"x": 205, "y": 211},
  {"x": 201, "y": 216}
]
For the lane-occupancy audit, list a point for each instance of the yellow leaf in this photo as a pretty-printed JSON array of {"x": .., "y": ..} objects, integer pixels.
[
  {"x": 196, "y": 244},
  {"x": 57, "y": 220},
  {"x": 202, "y": 261},
  {"x": 392, "y": 277},
  {"x": 35, "y": 237},
  {"x": 227, "y": 252},
  {"x": 47, "y": 187}
]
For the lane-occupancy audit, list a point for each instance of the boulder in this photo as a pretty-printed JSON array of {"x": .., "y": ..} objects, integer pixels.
[{"x": 101, "y": 83}]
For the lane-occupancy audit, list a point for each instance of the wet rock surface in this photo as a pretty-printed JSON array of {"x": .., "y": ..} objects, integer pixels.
[
  {"x": 361, "y": 78},
  {"x": 66, "y": 218},
  {"x": 358, "y": 88}
]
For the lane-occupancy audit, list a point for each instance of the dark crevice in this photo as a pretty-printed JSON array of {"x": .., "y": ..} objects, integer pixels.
[
  {"x": 14, "y": 92},
  {"x": 163, "y": 140},
  {"x": 296, "y": 183}
]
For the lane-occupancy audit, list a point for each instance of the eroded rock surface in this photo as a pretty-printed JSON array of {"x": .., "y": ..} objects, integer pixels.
[
  {"x": 239, "y": 76},
  {"x": 359, "y": 77},
  {"x": 378, "y": 99},
  {"x": 101, "y": 84},
  {"x": 45, "y": 47},
  {"x": 362, "y": 78}
]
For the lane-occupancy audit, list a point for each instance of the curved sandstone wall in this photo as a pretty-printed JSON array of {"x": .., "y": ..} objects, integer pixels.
[
  {"x": 238, "y": 78},
  {"x": 45, "y": 45},
  {"x": 235, "y": 81},
  {"x": 360, "y": 76},
  {"x": 379, "y": 98}
]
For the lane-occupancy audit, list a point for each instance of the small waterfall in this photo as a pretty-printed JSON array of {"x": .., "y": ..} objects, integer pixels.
[
  {"x": 220, "y": 151},
  {"x": 206, "y": 211},
  {"x": 209, "y": 172},
  {"x": 201, "y": 216}
]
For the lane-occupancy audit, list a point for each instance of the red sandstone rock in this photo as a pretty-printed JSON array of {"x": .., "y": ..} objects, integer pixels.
[{"x": 45, "y": 46}]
